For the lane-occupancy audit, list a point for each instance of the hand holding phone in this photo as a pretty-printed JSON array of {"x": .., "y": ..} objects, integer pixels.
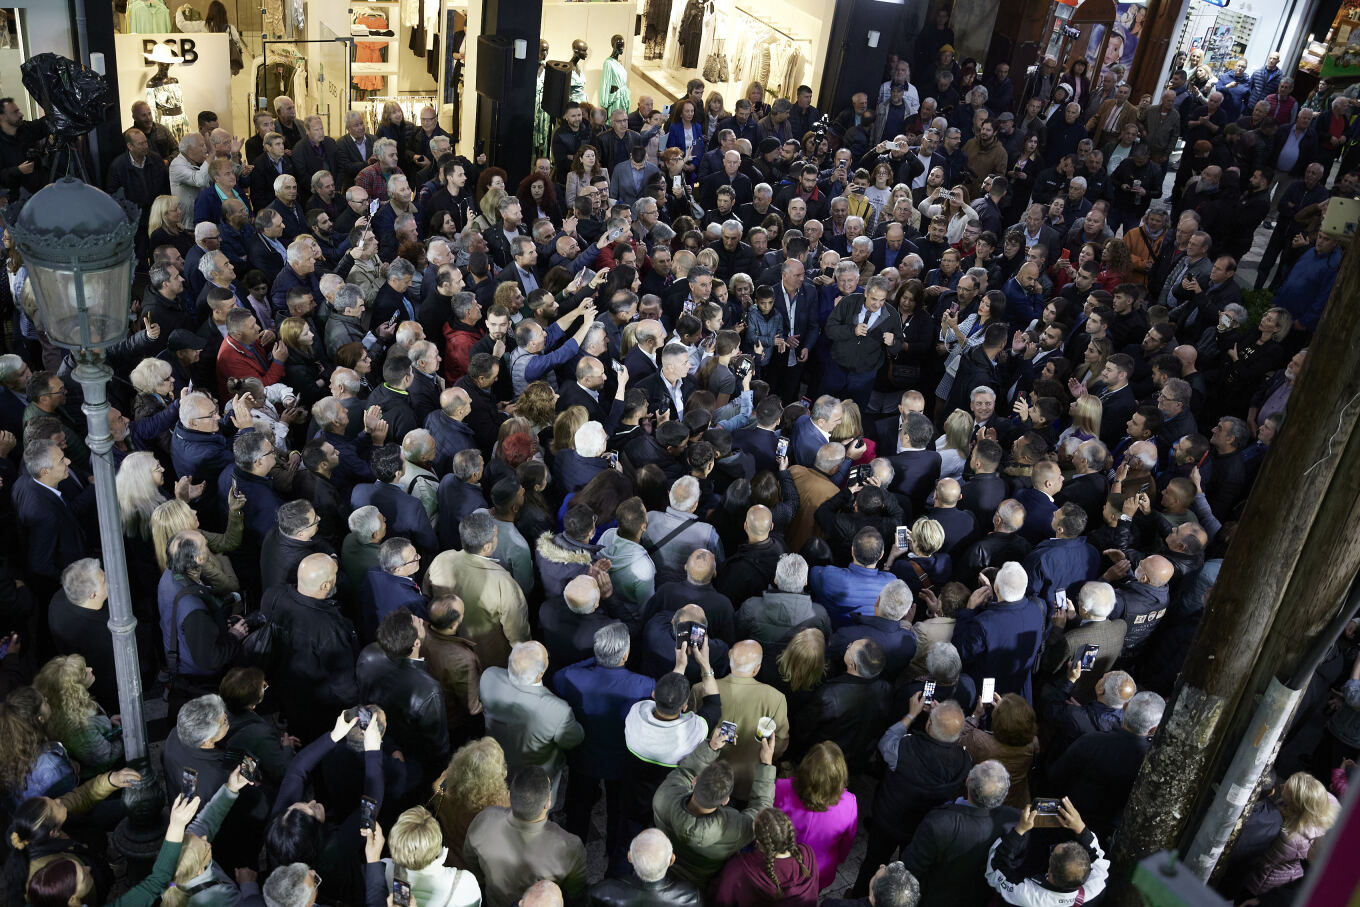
[{"x": 988, "y": 690}]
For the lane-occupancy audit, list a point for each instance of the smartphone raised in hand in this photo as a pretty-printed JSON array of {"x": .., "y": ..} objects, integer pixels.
[
  {"x": 781, "y": 447},
  {"x": 988, "y": 690},
  {"x": 727, "y": 731},
  {"x": 928, "y": 693},
  {"x": 903, "y": 536},
  {"x": 401, "y": 893},
  {"x": 188, "y": 783},
  {"x": 368, "y": 811},
  {"x": 1046, "y": 812},
  {"x": 1088, "y": 656}
]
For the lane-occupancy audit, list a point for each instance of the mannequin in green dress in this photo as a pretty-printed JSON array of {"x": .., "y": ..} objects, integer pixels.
[
  {"x": 614, "y": 85},
  {"x": 542, "y": 122}
]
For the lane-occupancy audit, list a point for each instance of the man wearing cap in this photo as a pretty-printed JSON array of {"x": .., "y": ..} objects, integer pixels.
[{"x": 182, "y": 352}]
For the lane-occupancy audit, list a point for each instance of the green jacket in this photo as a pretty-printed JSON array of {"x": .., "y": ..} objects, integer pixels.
[
  {"x": 704, "y": 843},
  {"x": 148, "y": 890}
]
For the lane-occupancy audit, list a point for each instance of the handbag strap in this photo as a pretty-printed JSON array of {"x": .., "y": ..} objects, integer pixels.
[{"x": 653, "y": 548}]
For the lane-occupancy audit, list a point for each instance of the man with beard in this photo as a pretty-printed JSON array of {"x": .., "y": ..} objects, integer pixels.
[{"x": 985, "y": 156}]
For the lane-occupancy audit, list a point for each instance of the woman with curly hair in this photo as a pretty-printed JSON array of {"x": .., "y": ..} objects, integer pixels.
[
  {"x": 1013, "y": 740},
  {"x": 491, "y": 177},
  {"x": 1115, "y": 265},
  {"x": 77, "y": 721},
  {"x": 538, "y": 198},
  {"x": 824, "y": 813},
  {"x": 31, "y": 765},
  {"x": 474, "y": 780},
  {"x": 585, "y": 169},
  {"x": 779, "y": 871}
]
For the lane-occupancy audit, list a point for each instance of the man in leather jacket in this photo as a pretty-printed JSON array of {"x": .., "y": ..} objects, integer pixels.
[
  {"x": 650, "y": 885},
  {"x": 392, "y": 674}
]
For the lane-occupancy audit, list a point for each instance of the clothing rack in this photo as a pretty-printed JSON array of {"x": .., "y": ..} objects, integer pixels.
[
  {"x": 411, "y": 105},
  {"x": 774, "y": 28}
]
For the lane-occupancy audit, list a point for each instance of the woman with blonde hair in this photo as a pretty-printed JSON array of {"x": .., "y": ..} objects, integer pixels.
[
  {"x": 1307, "y": 812},
  {"x": 509, "y": 295},
  {"x": 1093, "y": 363},
  {"x": 139, "y": 481},
  {"x": 1086, "y": 412},
  {"x": 1013, "y": 741},
  {"x": 564, "y": 428},
  {"x": 175, "y": 516},
  {"x": 416, "y": 845},
  {"x": 825, "y": 814},
  {"x": 956, "y": 444},
  {"x": 474, "y": 780},
  {"x": 923, "y": 563},
  {"x": 165, "y": 226},
  {"x": 77, "y": 721},
  {"x": 778, "y": 871},
  {"x": 715, "y": 112},
  {"x": 489, "y": 208},
  {"x": 199, "y": 881},
  {"x": 851, "y": 430},
  {"x": 303, "y": 371},
  {"x": 755, "y": 93},
  {"x": 801, "y": 667}
]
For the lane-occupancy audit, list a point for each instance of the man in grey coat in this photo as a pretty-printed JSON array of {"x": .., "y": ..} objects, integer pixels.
[
  {"x": 772, "y": 617},
  {"x": 533, "y": 726},
  {"x": 672, "y": 534}
]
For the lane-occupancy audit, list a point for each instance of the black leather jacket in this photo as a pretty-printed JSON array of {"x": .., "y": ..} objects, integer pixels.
[
  {"x": 633, "y": 892},
  {"x": 413, "y": 701}
]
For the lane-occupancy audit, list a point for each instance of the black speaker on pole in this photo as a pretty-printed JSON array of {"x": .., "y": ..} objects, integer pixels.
[
  {"x": 495, "y": 56},
  {"x": 556, "y": 87}
]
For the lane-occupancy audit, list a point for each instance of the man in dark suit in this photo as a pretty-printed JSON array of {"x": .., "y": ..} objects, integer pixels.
[
  {"x": 1034, "y": 228},
  {"x": 585, "y": 392},
  {"x": 1039, "y": 501},
  {"x": 669, "y": 387},
  {"x": 285, "y": 204},
  {"x": 54, "y": 537},
  {"x": 917, "y": 467},
  {"x": 985, "y": 491},
  {"x": 761, "y": 440},
  {"x": 1117, "y": 400},
  {"x": 891, "y": 248},
  {"x": 266, "y": 168},
  {"x": 729, "y": 174},
  {"x": 405, "y": 515},
  {"x": 485, "y": 417},
  {"x": 312, "y": 153},
  {"x": 864, "y": 332},
  {"x": 266, "y": 251},
  {"x": 796, "y": 299},
  {"x": 948, "y": 853},
  {"x": 352, "y": 150}
]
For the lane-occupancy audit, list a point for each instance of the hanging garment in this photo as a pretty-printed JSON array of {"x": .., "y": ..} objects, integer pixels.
[
  {"x": 148, "y": 17},
  {"x": 370, "y": 51},
  {"x": 614, "y": 87},
  {"x": 691, "y": 33},
  {"x": 578, "y": 86},
  {"x": 542, "y": 122},
  {"x": 656, "y": 18}
]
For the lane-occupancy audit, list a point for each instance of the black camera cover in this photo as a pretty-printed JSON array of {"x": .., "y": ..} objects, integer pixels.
[{"x": 75, "y": 97}]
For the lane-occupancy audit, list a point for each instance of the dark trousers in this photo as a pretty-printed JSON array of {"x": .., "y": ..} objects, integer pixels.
[
  {"x": 839, "y": 383},
  {"x": 785, "y": 380},
  {"x": 582, "y": 793},
  {"x": 879, "y": 850}
]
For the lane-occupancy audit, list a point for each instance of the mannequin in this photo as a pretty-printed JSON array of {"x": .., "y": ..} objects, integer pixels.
[
  {"x": 614, "y": 83},
  {"x": 164, "y": 94},
  {"x": 579, "y": 51},
  {"x": 542, "y": 122}
]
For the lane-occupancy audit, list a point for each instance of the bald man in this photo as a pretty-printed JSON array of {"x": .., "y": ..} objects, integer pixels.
[
  {"x": 448, "y": 425},
  {"x": 1141, "y": 601},
  {"x": 661, "y": 633},
  {"x": 698, "y": 588},
  {"x": 316, "y": 648},
  {"x": 533, "y": 726},
  {"x": 749, "y": 570},
  {"x": 745, "y": 701},
  {"x": 960, "y": 526},
  {"x": 924, "y": 771},
  {"x": 453, "y": 662},
  {"x": 567, "y": 623},
  {"x": 543, "y": 893}
]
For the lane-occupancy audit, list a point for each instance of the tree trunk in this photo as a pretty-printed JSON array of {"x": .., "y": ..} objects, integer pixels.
[{"x": 1292, "y": 544}]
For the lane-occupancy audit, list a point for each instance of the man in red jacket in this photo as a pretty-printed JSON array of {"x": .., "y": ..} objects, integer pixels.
[
  {"x": 245, "y": 353},
  {"x": 461, "y": 334}
]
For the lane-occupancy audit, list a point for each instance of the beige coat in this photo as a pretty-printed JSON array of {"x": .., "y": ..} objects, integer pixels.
[
  {"x": 509, "y": 855},
  {"x": 745, "y": 701},
  {"x": 496, "y": 615}
]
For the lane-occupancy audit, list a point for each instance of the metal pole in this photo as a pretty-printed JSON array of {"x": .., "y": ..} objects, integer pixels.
[{"x": 94, "y": 373}]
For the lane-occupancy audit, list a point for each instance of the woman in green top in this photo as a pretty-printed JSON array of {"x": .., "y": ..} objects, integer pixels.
[{"x": 65, "y": 882}]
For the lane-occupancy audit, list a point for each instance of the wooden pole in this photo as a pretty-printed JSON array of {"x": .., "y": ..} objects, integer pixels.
[{"x": 1294, "y": 544}]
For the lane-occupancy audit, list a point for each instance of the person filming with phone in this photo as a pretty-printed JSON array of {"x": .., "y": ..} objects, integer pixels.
[{"x": 1074, "y": 867}]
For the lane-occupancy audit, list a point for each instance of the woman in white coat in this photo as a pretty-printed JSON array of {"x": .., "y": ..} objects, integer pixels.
[{"x": 418, "y": 854}]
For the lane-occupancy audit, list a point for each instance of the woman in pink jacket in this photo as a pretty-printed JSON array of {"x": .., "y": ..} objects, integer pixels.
[
  {"x": 1309, "y": 813},
  {"x": 824, "y": 813}
]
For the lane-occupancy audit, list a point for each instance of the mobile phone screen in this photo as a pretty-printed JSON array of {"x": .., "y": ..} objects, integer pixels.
[
  {"x": 988, "y": 689},
  {"x": 928, "y": 692},
  {"x": 903, "y": 537},
  {"x": 782, "y": 447},
  {"x": 188, "y": 783}
]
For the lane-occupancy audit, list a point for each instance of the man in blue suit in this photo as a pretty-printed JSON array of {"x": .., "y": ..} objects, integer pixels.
[
  {"x": 390, "y": 586},
  {"x": 796, "y": 298},
  {"x": 460, "y": 493},
  {"x": 55, "y": 540},
  {"x": 1039, "y": 501},
  {"x": 812, "y": 431},
  {"x": 600, "y": 691},
  {"x": 761, "y": 440},
  {"x": 847, "y": 591},
  {"x": 1068, "y": 559},
  {"x": 405, "y": 515},
  {"x": 1001, "y": 639},
  {"x": 917, "y": 468},
  {"x": 255, "y": 458}
]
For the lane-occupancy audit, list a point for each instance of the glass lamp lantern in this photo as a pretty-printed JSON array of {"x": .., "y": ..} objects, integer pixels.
[{"x": 77, "y": 244}]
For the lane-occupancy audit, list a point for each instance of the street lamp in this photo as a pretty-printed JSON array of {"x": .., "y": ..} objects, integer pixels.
[{"x": 77, "y": 244}]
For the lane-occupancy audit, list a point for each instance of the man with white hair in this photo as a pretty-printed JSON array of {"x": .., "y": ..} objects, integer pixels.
[
  {"x": 189, "y": 173},
  {"x": 773, "y": 614},
  {"x": 651, "y": 856},
  {"x": 889, "y": 626},
  {"x": 999, "y": 631},
  {"x": 568, "y": 622},
  {"x": 1073, "y": 632},
  {"x": 949, "y": 851},
  {"x": 285, "y": 204},
  {"x": 673, "y": 533},
  {"x": 532, "y": 725},
  {"x": 600, "y": 691},
  {"x": 1097, "y": 771},
  {"x": 496, "y": 614},
  {"x": 1070, "y": 720}
]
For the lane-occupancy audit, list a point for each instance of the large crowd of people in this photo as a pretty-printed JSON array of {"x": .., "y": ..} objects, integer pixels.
[{"x": 733, "y": 486}]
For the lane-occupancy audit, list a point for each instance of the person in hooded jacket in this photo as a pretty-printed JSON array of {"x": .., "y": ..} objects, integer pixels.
[{"x": 779, "y": 870}]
